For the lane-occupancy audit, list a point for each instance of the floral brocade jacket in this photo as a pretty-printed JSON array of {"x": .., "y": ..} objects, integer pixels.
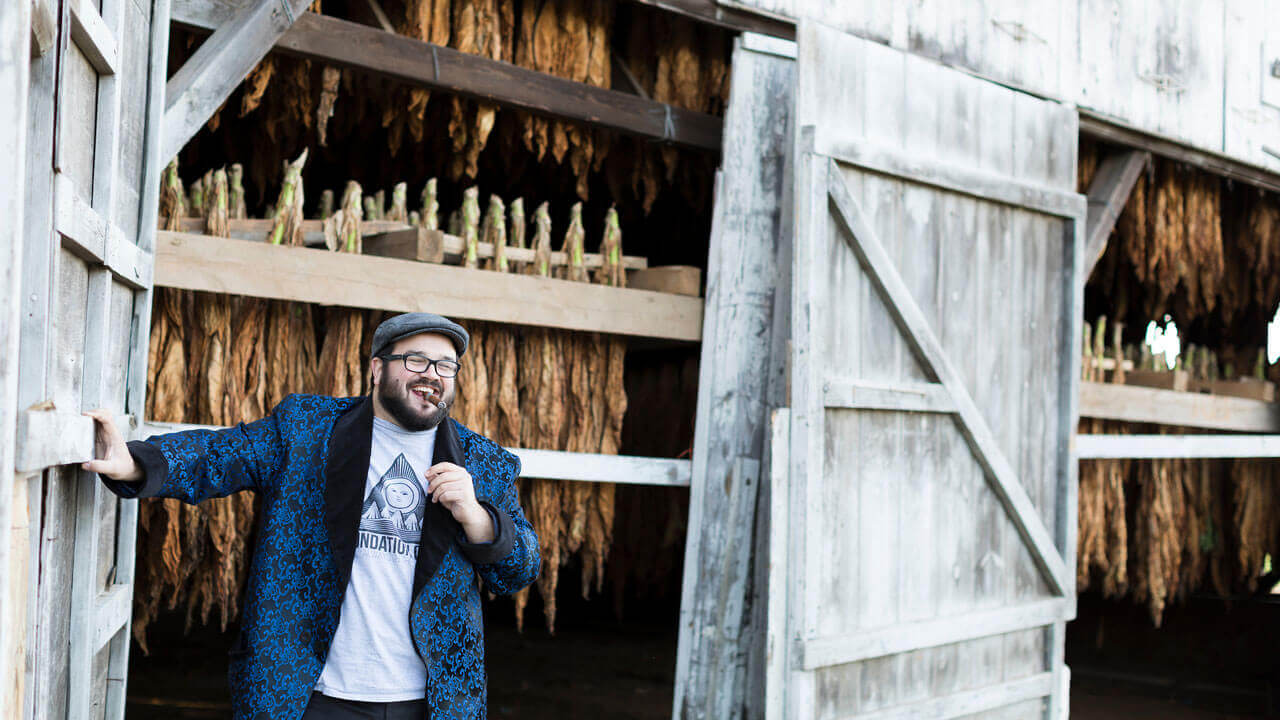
[{"x": 308, "y": 462}]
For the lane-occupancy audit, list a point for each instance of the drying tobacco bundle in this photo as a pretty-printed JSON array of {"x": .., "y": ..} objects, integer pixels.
[
  {"x": 473, "y": 401},
  {"x": 341, "y": 371},
  {"x": 504, "y": 417},
  {"x": 430, "y": 215}
]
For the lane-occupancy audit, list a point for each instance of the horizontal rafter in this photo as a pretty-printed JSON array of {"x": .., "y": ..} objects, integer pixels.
[
  {"x": 213, "y": 264},
  {"x": 352, "y": 45}
]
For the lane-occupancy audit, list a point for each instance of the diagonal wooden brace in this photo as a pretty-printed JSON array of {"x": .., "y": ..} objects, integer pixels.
[
  {"x": 1108, "y": 194},
  {"x": 206, "y": 80},
  {"x": 926, "y": 346}
]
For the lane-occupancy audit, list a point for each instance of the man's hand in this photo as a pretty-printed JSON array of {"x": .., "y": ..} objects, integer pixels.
[
  {"x": 451, "y": 485},
  {"x": 113, "y": 459}
]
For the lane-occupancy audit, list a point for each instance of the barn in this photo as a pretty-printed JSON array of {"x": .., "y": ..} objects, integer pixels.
[{"x": 865, "y": 360}]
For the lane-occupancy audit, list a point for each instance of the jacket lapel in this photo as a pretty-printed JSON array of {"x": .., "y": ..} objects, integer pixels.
[
  {"x": 439, "y": 529},
  {"x": 346, "y": 473}
]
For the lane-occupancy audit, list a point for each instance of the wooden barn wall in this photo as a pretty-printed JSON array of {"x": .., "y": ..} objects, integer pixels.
[
  {"x": 909, "y": 528},
  {"x": 1192, "y": 70},
  {"x": 62, "y": 316}
]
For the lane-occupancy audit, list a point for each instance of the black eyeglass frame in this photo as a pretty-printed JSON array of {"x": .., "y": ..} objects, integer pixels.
[{"x": 404, "y": 360}]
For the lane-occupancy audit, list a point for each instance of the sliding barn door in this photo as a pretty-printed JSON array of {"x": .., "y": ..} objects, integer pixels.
[{"x": 924, "y": 516}]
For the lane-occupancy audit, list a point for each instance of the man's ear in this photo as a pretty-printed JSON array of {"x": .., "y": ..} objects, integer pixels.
[{"x": 375, "y": 372}]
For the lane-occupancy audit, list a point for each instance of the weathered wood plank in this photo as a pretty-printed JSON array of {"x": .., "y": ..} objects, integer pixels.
[
  {"x": 775, "y": 669},
  {"x": 925, "y": 170},
  {"x": 969, "y": 702},
  {"x": 90, "y": 33},
  {"x": 925, "y": 344},
  {"x": 51, "y": 437},
  {"x": 1177, "y": 446},
  {"x": 19, "y": 28},
  {"x": 1129, "y": 403},
  {"x": 348, "y": 44},
  {"x": 909, "y": 397},
  {"x": 827, "y": 651},
  {"x": 1107, "y": 195},
  {"x": 550, "y": 464},
  {"x": 207, "y": 78},
  {"x": 364, "y": 281},
  {"x": 711, "y": 668},
  {"x": 91, "y": 237},
  {"x": 678, "y": 279}
]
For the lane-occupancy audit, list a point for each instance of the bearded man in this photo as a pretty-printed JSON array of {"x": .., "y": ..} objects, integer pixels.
[{"x": 378, "y": 517}]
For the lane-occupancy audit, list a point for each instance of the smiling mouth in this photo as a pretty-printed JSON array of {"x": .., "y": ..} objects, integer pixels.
[{"x": 426, "y": 393}]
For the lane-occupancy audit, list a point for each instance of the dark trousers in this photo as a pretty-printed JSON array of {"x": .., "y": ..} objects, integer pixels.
[{"x": 323, "y": 707}]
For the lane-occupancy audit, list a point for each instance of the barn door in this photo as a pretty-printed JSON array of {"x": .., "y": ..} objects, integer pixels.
[
  {"x": 91, "y": 197},
  {"x": 929, "y": 508}
]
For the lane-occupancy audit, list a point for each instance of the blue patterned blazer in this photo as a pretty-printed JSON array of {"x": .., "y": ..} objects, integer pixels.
[{"x": 308, "y": 462}]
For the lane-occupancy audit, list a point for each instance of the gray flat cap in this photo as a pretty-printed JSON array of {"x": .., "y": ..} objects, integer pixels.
[{"x": 402, "y": 326}]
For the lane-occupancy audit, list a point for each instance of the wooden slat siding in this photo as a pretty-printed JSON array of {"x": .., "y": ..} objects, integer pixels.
[
  {"x": 44, "y": 28},
  {"x": 926, "y": 345},
  {"x": 916, "y": 257},
  {"x": 910, "y": 397},
  {"x": 17, "y": 32},
  {"x": 1177, "y": 446},
  {"x": 545, "y": 464},
  {"x": 207, "y": 78},
  {"x": 365, "y": 281},
  {"x": 711, "y": 670},
  {"x": 824, "y": 652},
  {"x": 1107, "y": 195},
  {"x": 349, "y": 44},
  {"x": 969, "y": 702},
  {"x": 1169, "y": 407}
]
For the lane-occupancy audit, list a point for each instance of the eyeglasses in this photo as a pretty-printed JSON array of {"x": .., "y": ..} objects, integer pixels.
[{"x": 418, "y": 363}]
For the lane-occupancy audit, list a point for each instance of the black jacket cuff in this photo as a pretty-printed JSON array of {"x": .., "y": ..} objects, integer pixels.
[
  {"x": 504, "y": 539},
  {"x": 155, "y": 470}
]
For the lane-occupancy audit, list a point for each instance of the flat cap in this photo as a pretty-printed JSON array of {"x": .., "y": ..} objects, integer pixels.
[{"x": 402, "y": 326}]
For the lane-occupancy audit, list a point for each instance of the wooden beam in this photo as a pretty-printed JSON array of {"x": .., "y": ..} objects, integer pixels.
[
  {"x": 865, "y": 645},
  {"x": 48, "y": 438},
  {"x": 548, "y": 464},
  {"x": 90, "y": 33},
  {"x": 206, "y": 80},
  {"x": 928, "y": 349},
  {"x": 1108, "y": 401},
  {"x": 90, "y": 236},
  {"x": 968, "y": 702},
  {"x": 348, "y": 44},
  {"x": 212, "y": 264},
  {"x": 1100, "y": 127},
  {"x": 1107, "y": 195},
  {"x": 929, "y": 171},
  {"x": 904, "y": 397},
  {"x": 1177, "y": 446},
  {"x": 453, "y": 246}
]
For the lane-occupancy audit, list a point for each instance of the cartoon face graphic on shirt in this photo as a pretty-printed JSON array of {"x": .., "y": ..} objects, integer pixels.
[{"x": 399, "y": 495}]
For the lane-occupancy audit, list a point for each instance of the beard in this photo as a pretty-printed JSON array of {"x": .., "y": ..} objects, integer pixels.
[{"x": 408, "y": 411}]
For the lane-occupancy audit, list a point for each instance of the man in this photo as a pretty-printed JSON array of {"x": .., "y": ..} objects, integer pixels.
[{"x": 378, "y": 514}]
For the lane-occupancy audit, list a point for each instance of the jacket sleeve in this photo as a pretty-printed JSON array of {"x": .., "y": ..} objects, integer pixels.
[
  {"x": 511, "y": 561},
  {"x": 196, "y": 465}
]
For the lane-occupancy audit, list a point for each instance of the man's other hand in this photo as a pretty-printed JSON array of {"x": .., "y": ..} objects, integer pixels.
[
  {"x": 113, "y": 460},
  {"x": 451, "y": 486}
]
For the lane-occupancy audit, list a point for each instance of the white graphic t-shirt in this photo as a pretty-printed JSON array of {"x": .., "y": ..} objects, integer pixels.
[{"x": 372, "y": 658}]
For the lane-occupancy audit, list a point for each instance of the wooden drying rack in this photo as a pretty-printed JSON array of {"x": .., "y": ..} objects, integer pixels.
[{"x": 191, "y": 261}]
